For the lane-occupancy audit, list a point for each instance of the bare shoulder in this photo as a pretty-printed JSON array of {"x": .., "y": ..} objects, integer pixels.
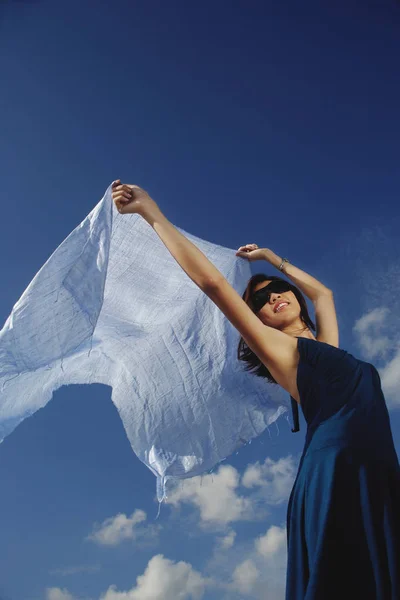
[{"x": 275, "y": 349}]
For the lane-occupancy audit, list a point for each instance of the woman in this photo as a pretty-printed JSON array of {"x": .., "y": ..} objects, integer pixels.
[{"x": 343, "y": 519}]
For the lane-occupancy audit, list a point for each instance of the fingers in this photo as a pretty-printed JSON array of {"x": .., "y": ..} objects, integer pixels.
[
  {"x": 248, "y": 248},
  {"x": 123, "y": 187},
  {"x": 121, "y": 203},
  {"x": 122, "y": 195},
  {"x": 247, "y": 251},
  {"x": 121, "y": 192},
  {"x": 117, "y": 185}
]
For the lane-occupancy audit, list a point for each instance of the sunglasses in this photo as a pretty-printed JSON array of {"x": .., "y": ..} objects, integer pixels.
[{"x": 262, "y": 296}]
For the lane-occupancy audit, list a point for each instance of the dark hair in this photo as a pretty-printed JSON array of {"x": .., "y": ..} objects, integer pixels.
[{"x": 254, "y": 364}]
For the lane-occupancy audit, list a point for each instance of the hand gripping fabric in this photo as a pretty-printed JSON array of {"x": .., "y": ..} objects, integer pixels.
[{"x": 112, "y": 306}]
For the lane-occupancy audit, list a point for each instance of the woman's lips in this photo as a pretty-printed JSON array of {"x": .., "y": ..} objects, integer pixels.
[{"x": 282, "y": 306}]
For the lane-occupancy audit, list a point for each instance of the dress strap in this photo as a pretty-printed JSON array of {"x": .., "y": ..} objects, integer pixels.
[{"x": 295, "y": 414}]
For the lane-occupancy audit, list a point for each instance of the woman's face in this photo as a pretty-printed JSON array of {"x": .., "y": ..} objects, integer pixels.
[{"x": 281, "y": 310}]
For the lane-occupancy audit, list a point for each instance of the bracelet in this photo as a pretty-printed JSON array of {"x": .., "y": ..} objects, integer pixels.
[{"x": 284, "y": 260}]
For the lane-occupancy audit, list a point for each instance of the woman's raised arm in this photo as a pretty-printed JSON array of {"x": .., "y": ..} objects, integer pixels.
[
  {"x": 320, "y": 295},
  {"x": 274, "y": 348}
]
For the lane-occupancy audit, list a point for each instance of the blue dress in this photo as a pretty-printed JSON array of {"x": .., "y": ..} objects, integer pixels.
[{"x": 343, "y": 520}]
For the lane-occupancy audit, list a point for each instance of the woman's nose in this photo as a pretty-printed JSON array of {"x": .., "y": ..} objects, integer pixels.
[{"x": 273, "y": 298}]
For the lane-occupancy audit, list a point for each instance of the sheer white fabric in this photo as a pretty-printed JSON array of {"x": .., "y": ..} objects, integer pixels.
[{"x": 112, "y": 306}]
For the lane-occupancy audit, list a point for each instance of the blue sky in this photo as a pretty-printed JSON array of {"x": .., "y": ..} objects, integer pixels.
[{"x": 266, "y": 122}]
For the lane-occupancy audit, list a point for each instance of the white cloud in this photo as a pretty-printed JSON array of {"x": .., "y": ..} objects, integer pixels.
[
  {"x": 245, "y": 576},
  {"x": 56, "y": 593},
  {"x": 274, "y": 477},
  {"x": 225, "y": 542},
  {"x": 262, "y": 567},
  {"x": 369, "y": 330},
  {"x": 390, "y": 377},
  {"x": 378, "y": 338},
  {"x": 218, "y": 496},
  {"x": 215, "y": 496},
  {"x": 222, "y": 498},
  {"x": 164, "y": 579},
  {"x": 273, "y": 543},
  {"x": 115, "y": 530},
  {"x": 262, "y": 574},
  {"x": 373, "y": 318}
]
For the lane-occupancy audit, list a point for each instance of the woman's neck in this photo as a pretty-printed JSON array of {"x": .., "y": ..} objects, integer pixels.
[{"x": 299, "y": 330}]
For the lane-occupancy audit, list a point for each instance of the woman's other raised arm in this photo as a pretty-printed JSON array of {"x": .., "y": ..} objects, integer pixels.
[{"x": 320, "y": 295}]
